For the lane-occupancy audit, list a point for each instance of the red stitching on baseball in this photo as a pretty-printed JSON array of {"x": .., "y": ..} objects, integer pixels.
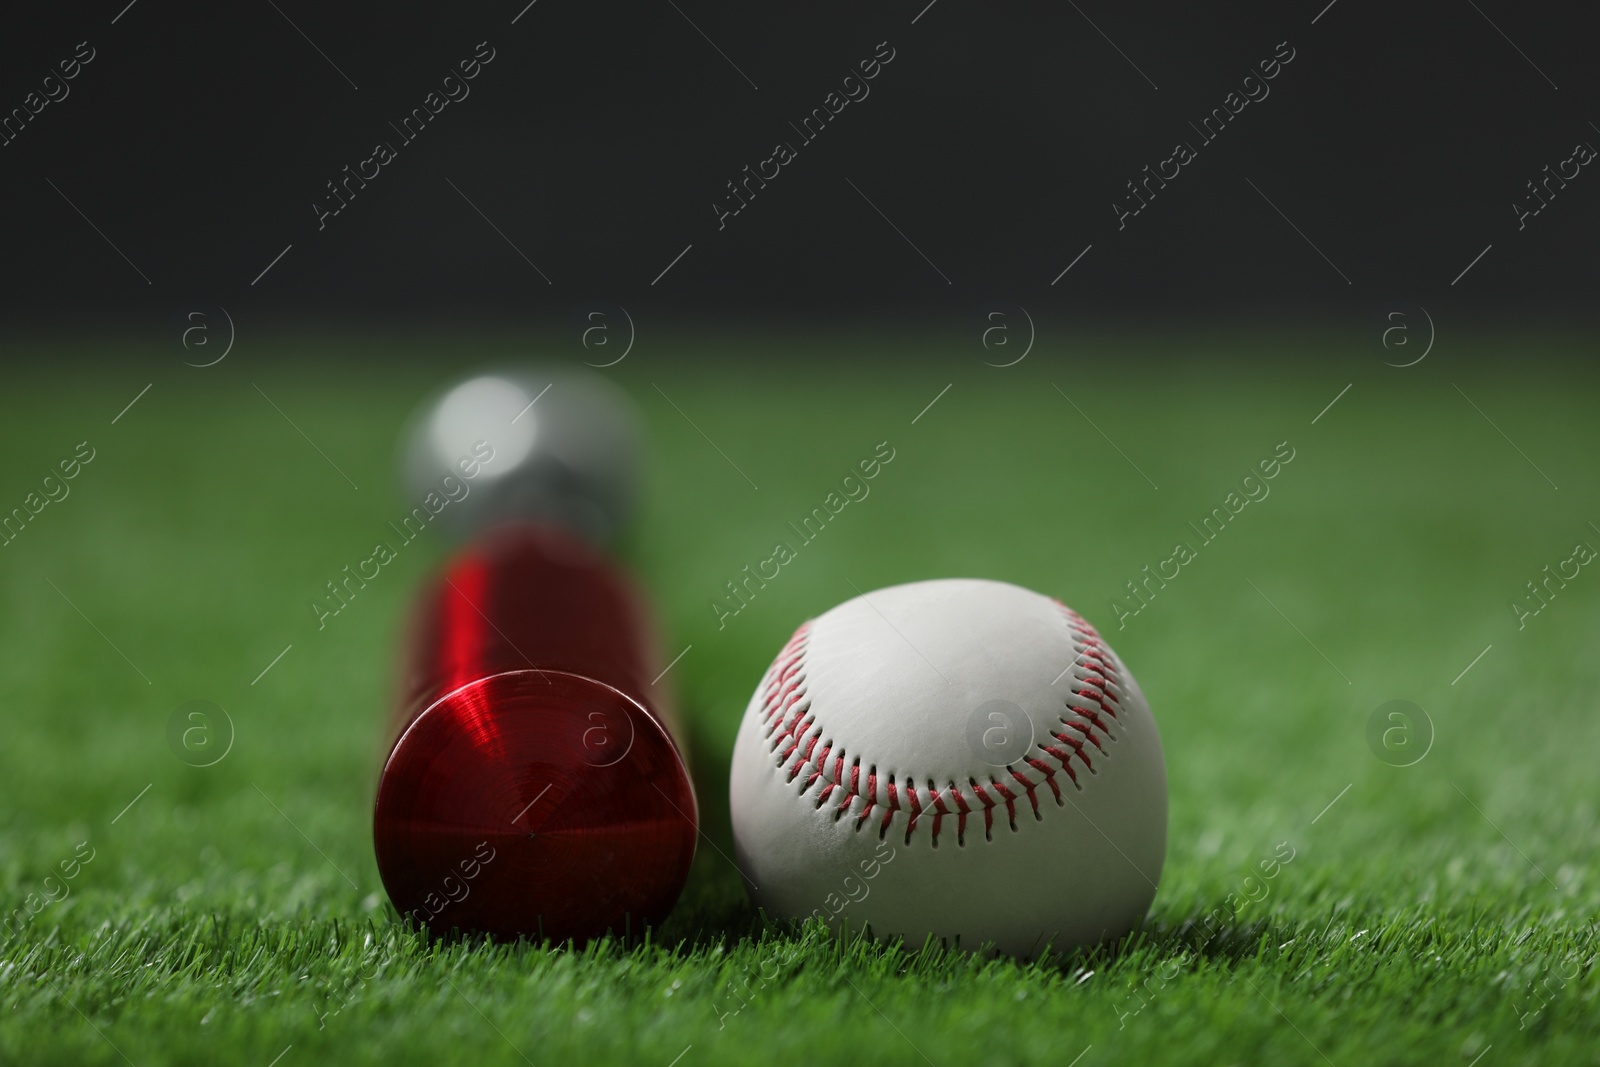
[{"x": 787, "y": 718}]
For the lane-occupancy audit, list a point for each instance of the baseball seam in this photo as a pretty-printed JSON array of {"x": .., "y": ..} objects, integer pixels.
[{"x": 804, "y": 749}]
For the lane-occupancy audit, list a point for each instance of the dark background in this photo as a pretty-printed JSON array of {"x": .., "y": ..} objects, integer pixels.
[{"x": 601, "y": 134}]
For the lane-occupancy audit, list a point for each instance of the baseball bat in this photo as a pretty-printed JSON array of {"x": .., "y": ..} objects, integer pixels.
[{"x": 534, "y": 788}]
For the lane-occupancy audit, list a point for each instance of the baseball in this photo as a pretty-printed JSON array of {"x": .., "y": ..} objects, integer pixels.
[{"x": 960, "y": 758}]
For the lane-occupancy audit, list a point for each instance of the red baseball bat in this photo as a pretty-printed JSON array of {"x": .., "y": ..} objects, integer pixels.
[{"x": 535, "y": 788}]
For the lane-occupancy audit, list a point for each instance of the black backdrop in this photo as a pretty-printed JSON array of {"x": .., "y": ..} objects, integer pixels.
[{"x": 986, "y": 158}]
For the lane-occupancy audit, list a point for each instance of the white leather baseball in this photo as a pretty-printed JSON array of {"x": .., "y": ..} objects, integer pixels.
[{"x": 958, "y": 758}]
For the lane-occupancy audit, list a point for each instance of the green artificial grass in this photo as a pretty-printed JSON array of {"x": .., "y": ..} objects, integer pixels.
[{"x": 1438, "y": 913}]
